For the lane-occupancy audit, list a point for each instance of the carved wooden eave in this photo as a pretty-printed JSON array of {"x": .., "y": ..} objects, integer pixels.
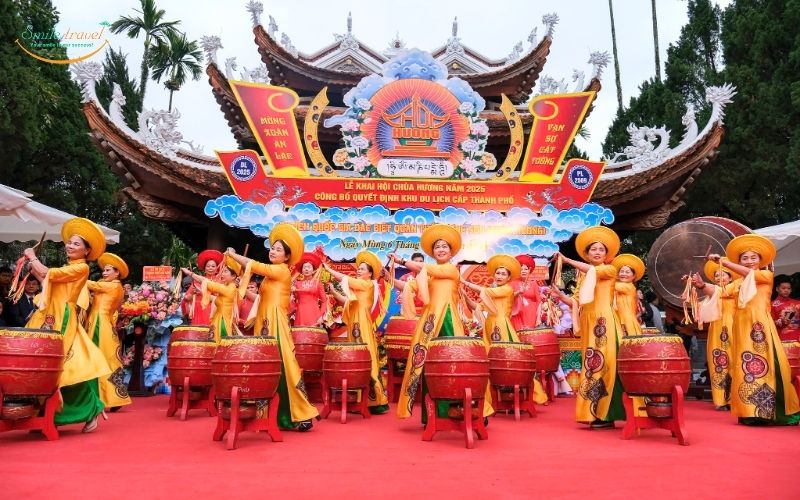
[
  {"x": 516, "y": 80},
  {"x": 230, "y": 108},
  {"x": 169, "y": 190},
  {"x": 645, "y": 200}
]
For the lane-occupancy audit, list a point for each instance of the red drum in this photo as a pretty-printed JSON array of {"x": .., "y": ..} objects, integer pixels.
[
  {"x": 31, "y": 361},
  {"x": 191, "y": 358},
  {"x": 792, "y": 348},
  {"x": 454, "y": 364},
  {"x": 651, "y": 365},
  {"x": 309, "y": 347},
  {"x": 347, "y": 360},
  {"x": 511, "y": 363},
  {"x": 399, "y": 332},
  {"x": 251, "y": 363},
  {"x": 191, "y": 332},
  {"x": 545, "y": 346}
]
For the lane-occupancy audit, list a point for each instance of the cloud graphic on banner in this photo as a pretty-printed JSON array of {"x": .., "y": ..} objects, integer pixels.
[
  {"x": 414, "y": 216},
  {"x": 520, "y": 231}
]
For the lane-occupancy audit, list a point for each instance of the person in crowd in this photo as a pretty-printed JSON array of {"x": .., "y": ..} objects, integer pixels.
[
  {"x": 630, "y": 269},
  {"x": 786, "y": 310},
  {"x": 599, "y": 401},
  {"x": 498, "y": 299},
  {"x": 408, "y": 280},
  {"x": 65, "y": 295},
  {"x": 361, "y": 293},
  {"x": 6, "y": 275},
  {"x": 246, "y": 305},
  {"x": 224, "y": 320},
  {"x": 17, "y": 315},
  {"x": 653, "y": 317},
  {"x": 438, "y": 288},
  {"x": 308, "y": 293},
  {"x": 272, "y": 319},
  {"x": 525, "y": 313},
  {"x": 717, "y": 310},
  {"x": 192, "y": 305},
  {"x": 761, "y": 388},
  {"x": 107, "y": 297}
]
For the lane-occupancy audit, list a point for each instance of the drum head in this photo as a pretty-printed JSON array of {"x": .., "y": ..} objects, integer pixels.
[{"x": 681, "y": 250}]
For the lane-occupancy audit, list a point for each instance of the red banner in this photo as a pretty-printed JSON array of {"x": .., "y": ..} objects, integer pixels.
[
  {"x": 156, "y": 273},
  {"x": 244, "y": 170},
  {"x": 270, "y": 113},
  {"x": 556, "y": 120},
  {"x": 574, "y": 189}
]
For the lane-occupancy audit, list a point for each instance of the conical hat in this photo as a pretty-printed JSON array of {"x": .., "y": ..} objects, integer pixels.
[
  {"x": 115, "y": 261},
  {"x": 89, "y": 231}
]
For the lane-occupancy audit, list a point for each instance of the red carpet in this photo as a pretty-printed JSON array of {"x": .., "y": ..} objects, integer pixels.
[{"x": 139, "y": 453}]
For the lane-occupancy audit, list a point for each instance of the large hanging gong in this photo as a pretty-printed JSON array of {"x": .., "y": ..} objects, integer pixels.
[{"x": 682, "y": 248}]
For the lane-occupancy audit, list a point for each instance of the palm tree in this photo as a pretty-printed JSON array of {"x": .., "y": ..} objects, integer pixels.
[
  {"x": 655, "y": 39},
  {"x": 614, "y": 47},
  {"x": 176, "y": 58},
  {"x": 151, "y": 23}
]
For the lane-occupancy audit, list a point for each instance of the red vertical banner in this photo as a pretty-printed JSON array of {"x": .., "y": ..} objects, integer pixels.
[
  {"x": 244, "y": 171},
  {"x": 270, "y": 113},
  {"x": 556, "y": 120}
]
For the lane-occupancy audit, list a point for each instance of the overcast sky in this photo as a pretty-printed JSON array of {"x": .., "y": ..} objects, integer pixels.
[{"x": 492, "y": 28}]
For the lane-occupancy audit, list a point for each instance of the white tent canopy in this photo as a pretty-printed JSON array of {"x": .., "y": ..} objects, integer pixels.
[
  {"x": 786, "y": 238},
  {"x": 22, "y": 219}
]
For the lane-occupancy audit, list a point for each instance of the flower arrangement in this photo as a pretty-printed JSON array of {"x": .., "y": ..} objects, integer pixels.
[
  {"x": 151, "y": 302},
  {"x": 476, "y": 159},
  {"x": 353, "y": 155},
  {"x": 150, "y": 354},
  {"x": 473, "y": 328}
]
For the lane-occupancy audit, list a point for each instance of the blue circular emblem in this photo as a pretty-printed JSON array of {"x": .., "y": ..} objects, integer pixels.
[
  {"x": 243, "y": 168},
  {"x": 580, "y": 177}
]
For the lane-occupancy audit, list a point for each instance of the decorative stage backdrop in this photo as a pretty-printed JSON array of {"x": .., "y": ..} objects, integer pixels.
[{"x": 414, "y": 154}]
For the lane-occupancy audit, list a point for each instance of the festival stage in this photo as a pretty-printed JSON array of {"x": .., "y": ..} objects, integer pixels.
[{"x": 139, "y": 453}]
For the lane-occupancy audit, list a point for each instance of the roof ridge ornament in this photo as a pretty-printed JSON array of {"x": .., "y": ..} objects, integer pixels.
[
  {"x": 454, "y": 42},
  {"x": 211, "y": 44},
  {"x": 347, "y": 41},
  {"x": 515, "y": 54},
  {"x": 550, "y": 20},
  {"x": 272, "y": 28},
  {"x": 87, "y": 74},
  {"x": 395, "y": 46},
  {"x": 599, "y": 61},
  {"x": 255, "y": 9},
  {"x": 159, "y": 131},
  {"x": 287, "y": 44},
  {"x": 230, "y": 66},
  {"x": 533, "y": 36}
]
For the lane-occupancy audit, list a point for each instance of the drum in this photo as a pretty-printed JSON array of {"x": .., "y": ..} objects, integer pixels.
[
  {"x": 545, "y": 347},
  {"x": 191, "y": 358},
  {"x": 251, "y": 363},
  {"x": 347, "y": 360},
  {"x": 191, "y": 332},
  {"x": 511, "y": 363},
  {"x": 652, "y": 365},
  {"x": 682, "y": 248},
  {"x": 399, "y": 332},
  {"x": 309, "y": 347},
  {"x": 31, "y": 361},
  {"x": 454, "y": 364},
  {"x": 792, "y": 348}
]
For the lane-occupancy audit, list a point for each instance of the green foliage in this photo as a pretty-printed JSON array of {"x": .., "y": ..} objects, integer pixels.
[
  {"x": 177, "y": 59},
  {"x": 692, "y": 65},
  {"x": 754, "y": 179},
  {"x": 149, "y": 22},
  {"x": 47, "y": 151},
  {"x": 179, "y": 254},
  {"x": 115, "y": 70}
]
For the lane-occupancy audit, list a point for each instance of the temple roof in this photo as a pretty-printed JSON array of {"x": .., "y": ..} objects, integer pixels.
[
  {"x": 642, "y": 190},
  {"x": 306, "y": 76}
]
